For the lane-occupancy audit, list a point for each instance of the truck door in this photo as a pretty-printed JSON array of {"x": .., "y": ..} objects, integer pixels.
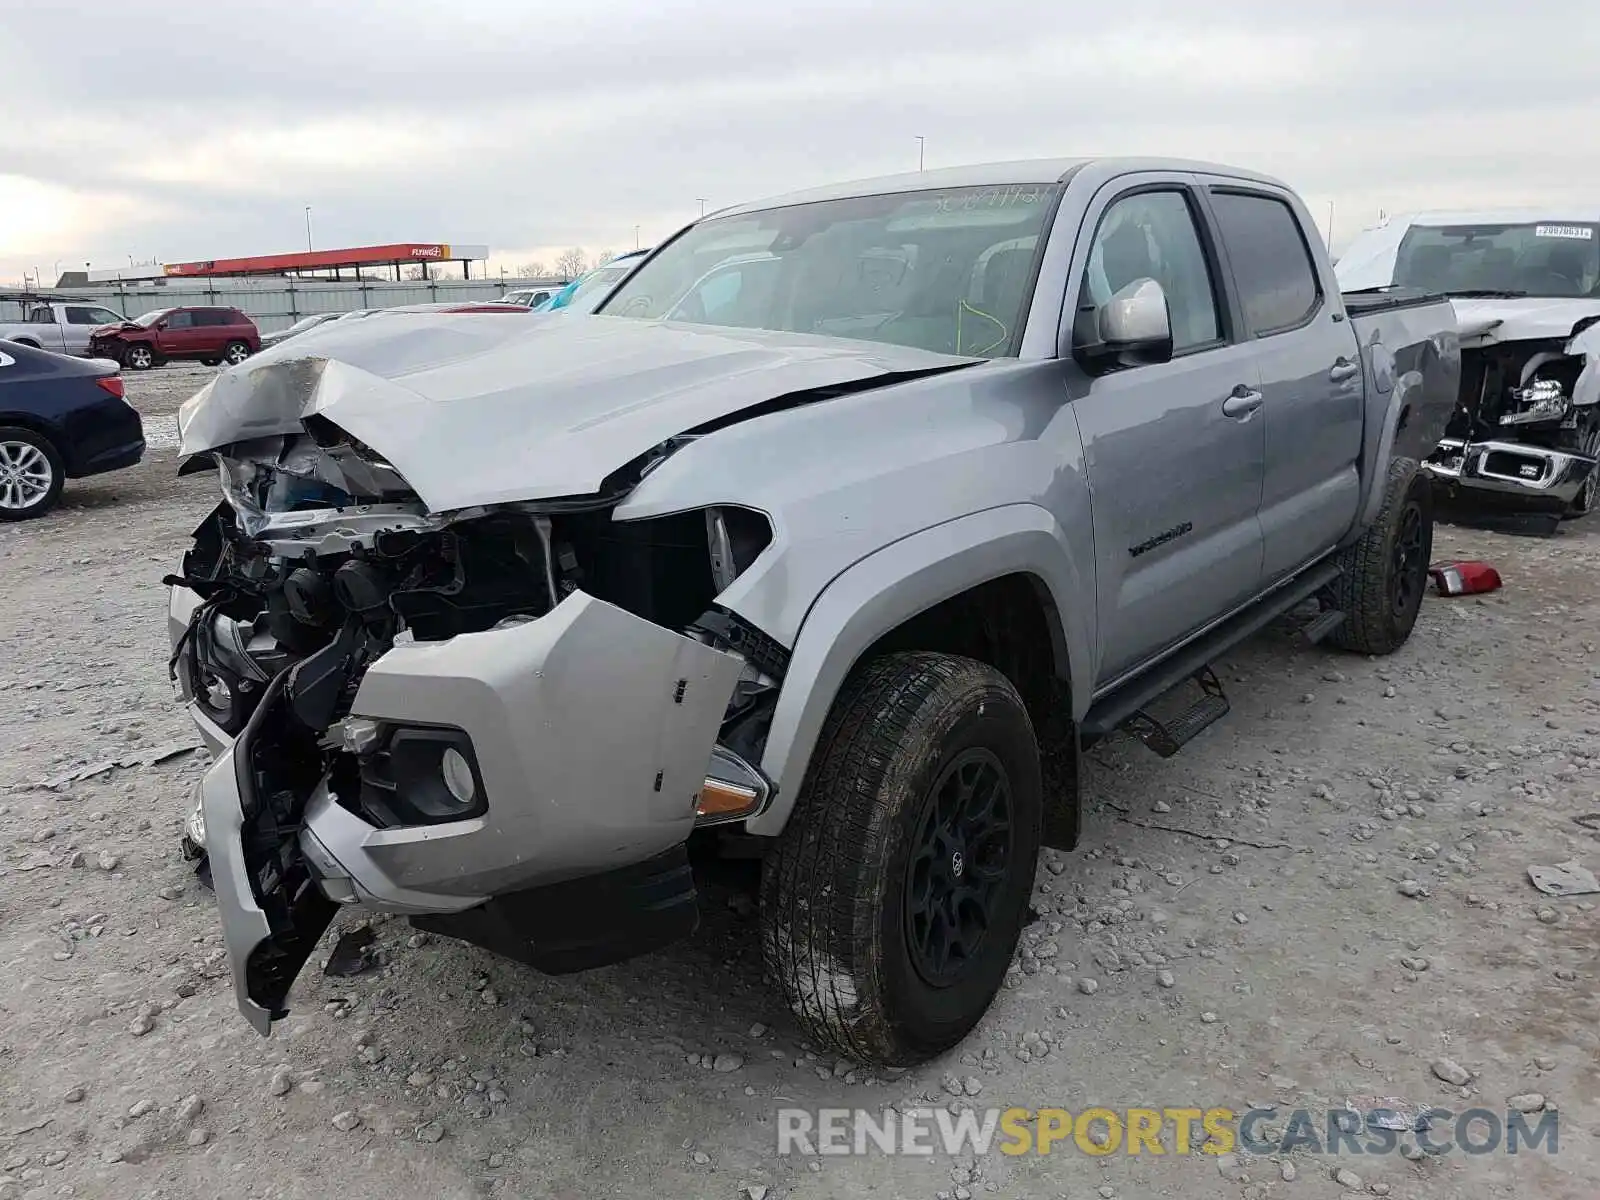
[
  {"x": 1173, "y": 450},
  {"x": 1311, "y": 377},
  {"x": 79, "y": 321}
]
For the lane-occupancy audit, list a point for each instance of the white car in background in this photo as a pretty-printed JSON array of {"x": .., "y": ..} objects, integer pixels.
[{"x": 1522, "y": 446}]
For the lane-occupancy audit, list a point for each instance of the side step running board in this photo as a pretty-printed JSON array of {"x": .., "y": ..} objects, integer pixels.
[
  {"x": 1166, "y": 738},
  {"x": 1114, "y": 709},
  {"x": 1321, "y": 625}
]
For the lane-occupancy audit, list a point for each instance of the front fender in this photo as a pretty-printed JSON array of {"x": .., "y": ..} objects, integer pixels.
[{"x": 896, "y": 583}]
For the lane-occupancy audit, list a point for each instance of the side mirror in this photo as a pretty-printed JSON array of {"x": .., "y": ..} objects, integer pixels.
[
  {"x": 1133, "y": 328},
  {"x": 161, "y": 325}
]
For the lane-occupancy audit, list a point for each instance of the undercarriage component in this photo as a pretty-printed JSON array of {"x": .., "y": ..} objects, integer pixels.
[{"x": 1523, "y": 442}]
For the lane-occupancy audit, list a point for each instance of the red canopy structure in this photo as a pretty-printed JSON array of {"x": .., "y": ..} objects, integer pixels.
[{"x": 394, "y": 255}]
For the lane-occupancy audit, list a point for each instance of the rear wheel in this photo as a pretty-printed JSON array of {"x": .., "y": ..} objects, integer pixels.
[
  {"x": 893, "y": 902},
  {"x": 1386, "y": 572},
  {"x": 236, "y": 353},
  {"x": 31, "y": 474},
  {"x": 139, "y": 357}
]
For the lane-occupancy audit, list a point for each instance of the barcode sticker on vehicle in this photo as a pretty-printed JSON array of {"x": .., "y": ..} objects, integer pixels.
[{"x": 1583, "y": 233}]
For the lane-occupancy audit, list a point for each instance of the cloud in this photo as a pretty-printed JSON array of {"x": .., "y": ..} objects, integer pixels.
[{"x": 528, "y": 126}]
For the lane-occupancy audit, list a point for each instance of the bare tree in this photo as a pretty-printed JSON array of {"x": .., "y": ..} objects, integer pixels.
[
  {"x": 415, "y": 272},
  {"x": 532, "y": 270},
  {"x": 605, "y": 257},
  {"x": 571, "y": 263}
]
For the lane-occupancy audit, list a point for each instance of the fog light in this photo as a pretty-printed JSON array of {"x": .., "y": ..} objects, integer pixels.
[{"x": 458, "y": 776}]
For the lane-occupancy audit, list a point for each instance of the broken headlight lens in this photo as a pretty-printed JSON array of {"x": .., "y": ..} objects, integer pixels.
[{"x": 1541, "y": 400}]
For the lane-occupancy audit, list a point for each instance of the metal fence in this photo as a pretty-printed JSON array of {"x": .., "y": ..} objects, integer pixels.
[{"x": 277, "y": 303}]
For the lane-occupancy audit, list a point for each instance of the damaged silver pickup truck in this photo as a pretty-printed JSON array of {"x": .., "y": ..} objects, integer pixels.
[
  {"x": 1521, "y": 448},
  {"x": 830, "y": 541}
]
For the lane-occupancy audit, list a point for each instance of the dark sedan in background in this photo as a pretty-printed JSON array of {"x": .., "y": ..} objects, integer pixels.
[{"x": 60, "y": 418}]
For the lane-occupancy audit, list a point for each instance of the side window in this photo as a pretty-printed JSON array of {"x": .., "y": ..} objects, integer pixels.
[
  {"x": 182, "y": 319},
  {"x": 1271, "y": 264},
  {"x": 1152, "y": 235},
  {"x": 104, "y": 316},
  {"x": 210, "y": 317},
  {"x": 41, "y": 316},
  {"x": 85, "y": 316}
]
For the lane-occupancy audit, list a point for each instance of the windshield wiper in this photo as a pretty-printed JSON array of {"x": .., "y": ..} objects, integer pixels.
[{"x": 1487, "y": 294}]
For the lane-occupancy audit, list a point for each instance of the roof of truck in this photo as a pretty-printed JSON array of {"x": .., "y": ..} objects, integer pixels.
[{"x": 1041, "y": 171}]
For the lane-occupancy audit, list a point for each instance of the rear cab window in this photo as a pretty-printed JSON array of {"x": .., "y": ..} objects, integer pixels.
[{"x": 1272, "y": 265}]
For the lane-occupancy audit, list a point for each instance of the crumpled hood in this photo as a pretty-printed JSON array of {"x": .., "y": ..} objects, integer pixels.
[
  {"x": 1487, "y": 321},
  {"x": 473, "y": 410}
]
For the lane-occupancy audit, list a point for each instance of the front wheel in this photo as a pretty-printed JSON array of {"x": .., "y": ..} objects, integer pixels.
[
  {"x": 893, "y": 901},
  {"x": 1386, "y": 573},
  {"x": 1584, "y": 502},
  {"x": 236, "y": 353},
  {"x": 31, "y": 474},
  {"x": 139, "y": 358}
]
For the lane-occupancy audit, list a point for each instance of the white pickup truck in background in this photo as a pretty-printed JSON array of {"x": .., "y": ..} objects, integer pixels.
[{"x": 58, "y": 326}]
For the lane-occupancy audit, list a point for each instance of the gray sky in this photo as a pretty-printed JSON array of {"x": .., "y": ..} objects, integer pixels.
[{"x": 192, "y": 131}]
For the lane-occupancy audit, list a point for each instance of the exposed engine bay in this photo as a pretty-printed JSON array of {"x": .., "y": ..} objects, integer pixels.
[
  {"x": 319, "y": 562},
  {"x": 1524, "y": 437}
]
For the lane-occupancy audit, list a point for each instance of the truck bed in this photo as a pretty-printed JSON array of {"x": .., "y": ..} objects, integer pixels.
[{"x": 1404, "y": 327}]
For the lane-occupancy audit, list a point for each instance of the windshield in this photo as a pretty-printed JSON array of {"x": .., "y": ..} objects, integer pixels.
[
  {"x": 1535, "y": 259},
  {"x": 150, "y": 318},
  {"x": 948, "y": 270},
  {"x": 588, "y": 292}
]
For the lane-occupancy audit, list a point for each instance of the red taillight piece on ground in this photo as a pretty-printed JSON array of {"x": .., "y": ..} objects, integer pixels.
[
  {"x": 1464, "y": 578},
  {"x": 112, "y": 384}
]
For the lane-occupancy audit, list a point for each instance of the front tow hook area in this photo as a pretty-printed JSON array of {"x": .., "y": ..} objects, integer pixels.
[{"x": 272, "y": 911}]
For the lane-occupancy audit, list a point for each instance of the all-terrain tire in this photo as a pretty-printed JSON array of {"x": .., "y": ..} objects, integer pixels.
[
  {"x": 1386, "y": 572},
  {"x": 870, "y": 867}
]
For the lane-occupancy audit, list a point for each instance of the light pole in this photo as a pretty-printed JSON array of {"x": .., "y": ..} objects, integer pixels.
[
  {"x": 702, "y": 200},
  {"x": 635, "y": 237},
  {"x": 920, "y": 146},
  {"x": 308, "y": 229}
]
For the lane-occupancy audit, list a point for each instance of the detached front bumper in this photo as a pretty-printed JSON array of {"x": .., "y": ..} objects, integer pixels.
[
  {"x": 593, "y": 732},
  {"x": 1509, "y": 475}
]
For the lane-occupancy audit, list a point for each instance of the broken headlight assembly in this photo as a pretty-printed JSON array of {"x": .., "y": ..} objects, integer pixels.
[{"x": 1540, "y": 400}]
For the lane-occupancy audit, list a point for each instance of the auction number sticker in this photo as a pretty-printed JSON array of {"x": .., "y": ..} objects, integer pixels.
[{"x": 1583, "y": 233}]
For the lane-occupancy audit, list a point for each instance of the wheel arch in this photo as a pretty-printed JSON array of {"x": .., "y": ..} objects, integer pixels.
[
  {"x": 1015, "y": 550},
  {"x": 45, "y": 429}
]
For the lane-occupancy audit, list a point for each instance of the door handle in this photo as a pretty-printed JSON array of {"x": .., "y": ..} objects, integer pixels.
[
  {"x": 1242, "y": 403},
  {"x": 1343, "y": 369}
]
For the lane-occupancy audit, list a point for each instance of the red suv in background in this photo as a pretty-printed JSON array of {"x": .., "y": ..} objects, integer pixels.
[{"x": 213, "y": 335}]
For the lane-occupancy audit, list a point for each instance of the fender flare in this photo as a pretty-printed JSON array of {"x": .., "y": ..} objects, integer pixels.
[{"x": 888, "y": 587}]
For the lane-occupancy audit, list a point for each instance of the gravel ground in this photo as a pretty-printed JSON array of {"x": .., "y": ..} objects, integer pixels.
[{"x": 1323, "y": 901}]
